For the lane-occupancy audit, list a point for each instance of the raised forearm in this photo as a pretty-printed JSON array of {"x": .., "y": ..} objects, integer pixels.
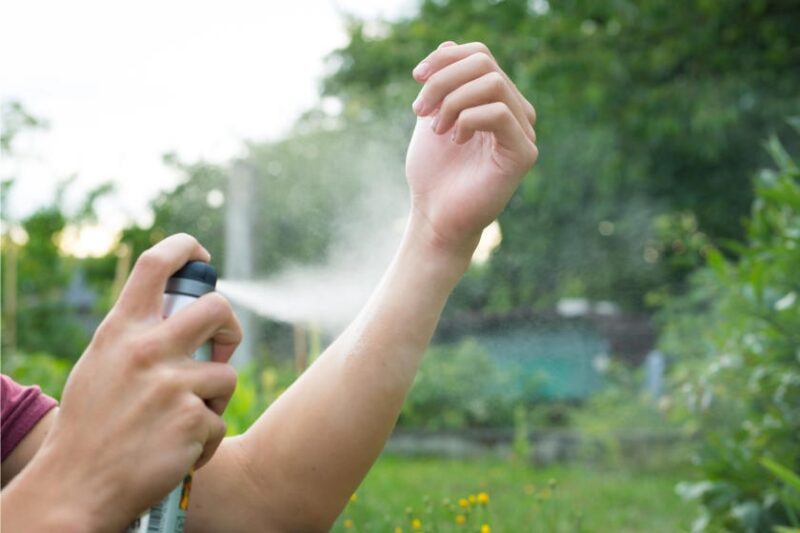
[
  {"x": 319, "y": 439},
  {"x": 473, "y": 143}
]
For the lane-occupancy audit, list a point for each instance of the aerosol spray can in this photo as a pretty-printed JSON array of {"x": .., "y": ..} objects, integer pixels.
[{"x": 192, "y": 281}]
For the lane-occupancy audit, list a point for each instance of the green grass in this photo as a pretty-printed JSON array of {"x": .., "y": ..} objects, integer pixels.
[{"x": 522, "y": 498}]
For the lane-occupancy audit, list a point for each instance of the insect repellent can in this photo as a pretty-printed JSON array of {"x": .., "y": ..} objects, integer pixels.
[{"x": 192, "y": 281}]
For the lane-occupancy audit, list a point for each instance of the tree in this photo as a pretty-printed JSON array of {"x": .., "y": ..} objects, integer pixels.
[
  {"x": 36, "y": 273},
  {"x": 648, "y": 110}
]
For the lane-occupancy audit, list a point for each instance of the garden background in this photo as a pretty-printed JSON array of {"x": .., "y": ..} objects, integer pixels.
[{"x": 623, "y": 353}]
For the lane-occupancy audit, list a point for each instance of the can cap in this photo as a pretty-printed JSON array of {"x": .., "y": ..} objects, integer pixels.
[{"x": 195, "y": 278}]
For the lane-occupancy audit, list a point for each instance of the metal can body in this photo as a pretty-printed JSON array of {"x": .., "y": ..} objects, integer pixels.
[{"x": 169, "y": 515}]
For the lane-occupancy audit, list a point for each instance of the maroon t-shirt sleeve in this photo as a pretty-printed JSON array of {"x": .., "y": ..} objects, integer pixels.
[{"x": 20, "y": 409}]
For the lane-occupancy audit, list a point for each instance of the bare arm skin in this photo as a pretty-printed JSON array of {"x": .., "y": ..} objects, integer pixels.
[{"x": 296, "y": 467}]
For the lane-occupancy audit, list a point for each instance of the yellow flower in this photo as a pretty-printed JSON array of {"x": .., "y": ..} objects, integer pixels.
[
  {"x": 472, "y": 498},
  {"x": 348, "y": 524},
  {"x": 463, "y": 503},
  {"x": 354, "y": 498},
  {"x": 398, "y": 530},
  {"x": 486, "y": 529},
  {"x": 461, "y": 519},
  {"x": 483, "y": 498},
  {"x": 416, "y": 524}
]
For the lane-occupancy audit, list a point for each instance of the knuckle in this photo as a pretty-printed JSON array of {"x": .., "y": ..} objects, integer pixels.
[
  {"x": 533, "y": 154},
  {"x": 531, "y": 111},
  {"x": 218, "y": 309},
  {"x": 193, "y": 412},
  {"x": 434, "y": 85},
  {"x": 108, "y": 328},
  {"x": 468, "y": 116},
  {"x": 482, "y": 48},
  {"x": 168, "y": 380},
  {"x": 151, "y": 262},
  {"x": 501, "y": 111},
  {"x": 496, "y": 81},
  {"x": 145, "y": 351},
  {"x": 190, "y": 239},
  {"x": 220, "y": 427},
  {"x": 229, "y": 378},
  {"x": 483, "y": 59},
  {"x": 447, "y": 107}
]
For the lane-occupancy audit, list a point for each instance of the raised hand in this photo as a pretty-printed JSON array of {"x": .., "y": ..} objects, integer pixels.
[{"x": 473, "y": 143}]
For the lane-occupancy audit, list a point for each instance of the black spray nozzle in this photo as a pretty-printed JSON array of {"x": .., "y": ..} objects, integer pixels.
[{"x": 195, "y": 278}]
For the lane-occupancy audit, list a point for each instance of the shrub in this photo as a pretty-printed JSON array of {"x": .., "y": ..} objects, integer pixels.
[
  {"x": 460, "y": 386},
  {"x": 740, "y": 348},
  {"x": 47, "y": 371}
]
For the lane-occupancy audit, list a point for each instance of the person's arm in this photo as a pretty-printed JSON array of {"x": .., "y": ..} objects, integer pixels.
[
  {"x": 136, "y": 413},
  {"x": 22, "y": 454},
  {"x": 295, "y": 468}
]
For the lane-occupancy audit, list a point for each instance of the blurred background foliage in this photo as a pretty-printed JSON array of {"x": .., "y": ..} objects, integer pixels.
[{"x": 667, "y": 184}]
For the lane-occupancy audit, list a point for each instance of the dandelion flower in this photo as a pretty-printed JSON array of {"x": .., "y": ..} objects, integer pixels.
[
  {"x": 461, "y": 519},
  {"x": 483, "y": 498},
  {"x": 416, "y": 524},
  {"x": 354, "y": 498},
  {"x": 473, "y": 498},
  {"x": 348, "y": 524},
  {"x": 398, "y": 530},
  {"x": 463, "y": 503},
  {"x": 486, "y": 529}
]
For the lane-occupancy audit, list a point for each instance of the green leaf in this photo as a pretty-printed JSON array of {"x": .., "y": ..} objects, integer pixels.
[{"x": 781, "y": 472}]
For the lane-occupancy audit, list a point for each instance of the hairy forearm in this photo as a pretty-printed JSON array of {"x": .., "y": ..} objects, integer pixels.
[{"x": 309, "y": 451}]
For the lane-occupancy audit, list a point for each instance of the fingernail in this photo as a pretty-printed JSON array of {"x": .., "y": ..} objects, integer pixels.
[
  {"x": 418, "y": 105},
  {"x": 421, "y": 70},
  {"x": 453, "y": 135},
  {"x": 447, "y": 43},
  {"x": 435, "y": 123}
]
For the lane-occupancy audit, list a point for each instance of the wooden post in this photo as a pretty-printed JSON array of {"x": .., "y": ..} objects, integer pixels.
[
  {"x": 300, "y": 348},
  {"x": 122, "y": 270},
  {"x": 239, "y": 251},
  {"x": 10, "y": 297}
]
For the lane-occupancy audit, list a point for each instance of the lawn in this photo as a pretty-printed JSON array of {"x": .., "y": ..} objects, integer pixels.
[{"x": 408, "y": 495}]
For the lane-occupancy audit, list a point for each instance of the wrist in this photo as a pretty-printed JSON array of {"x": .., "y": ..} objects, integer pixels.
[
  {"x": 40, "y": 498},
  {"x": 446, "y": 253},
  {"x": 30, "y": 504}
]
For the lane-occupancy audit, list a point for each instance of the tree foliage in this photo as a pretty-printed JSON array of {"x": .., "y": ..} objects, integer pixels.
[
  {"x": 647, "y": 110},
  {"x": 36, "y": 271}
]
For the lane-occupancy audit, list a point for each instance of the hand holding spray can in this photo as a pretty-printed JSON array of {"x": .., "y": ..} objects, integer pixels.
[{"x": 186, "y": 285}]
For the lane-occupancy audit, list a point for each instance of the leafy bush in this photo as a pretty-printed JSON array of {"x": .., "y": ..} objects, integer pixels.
[
  {"x": 42, "y": 369},
  {"x": 623, "y": 409},
  {"x": 256, "y": 389},
  {"x": 459, "y": 386},
  {"x": 740, "y": 348}
]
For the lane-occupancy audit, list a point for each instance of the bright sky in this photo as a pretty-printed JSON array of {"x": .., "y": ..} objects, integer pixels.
[{"x": 121, "y": 83}]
